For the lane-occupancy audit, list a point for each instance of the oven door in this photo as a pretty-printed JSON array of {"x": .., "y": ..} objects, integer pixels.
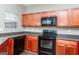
[{"x": 47, "y": 46}]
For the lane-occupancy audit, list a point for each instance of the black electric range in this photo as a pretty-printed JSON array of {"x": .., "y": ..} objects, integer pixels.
[{"x": 47, "y": 43}]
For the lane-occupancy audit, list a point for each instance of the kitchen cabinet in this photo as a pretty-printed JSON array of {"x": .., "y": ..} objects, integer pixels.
[
  {"x": 45, "y": 14},
  {"x": 3, "y": 47},
  {"x": 74, "y": 21},
  {"x": 31, "y": 43},
  {"x": 67, "y": 47},
  {"x": 30, "y": 20},
  {"x": 48, "y": 14},
  {"x": 10, "y": 47},
  {"x": 52, "y": 13},
  {"x": 37, "y": 19},
  {"x": 72, "y": 48},
  {"x": 34, "y": 19},
  {"x": 28, "y": 43},
  {"x": 35, "y": 44},
  {"x": 60, "y": 47},
  {"x": 62, "y": 18},
  {"x": 25, "y": 21}
]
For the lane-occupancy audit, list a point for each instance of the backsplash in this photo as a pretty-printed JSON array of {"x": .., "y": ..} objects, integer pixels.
[{"x": 71, "y": 31}]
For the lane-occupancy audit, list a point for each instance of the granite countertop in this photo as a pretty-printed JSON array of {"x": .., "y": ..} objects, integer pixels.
[
  {"x": 5, "y": 36},
  {"x": 19, "y": 33},
  {"x": 68, "y": 37},
  {"x": 34, "y": 33}
]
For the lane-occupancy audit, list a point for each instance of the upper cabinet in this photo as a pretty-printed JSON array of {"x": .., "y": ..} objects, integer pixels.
[
  {"x": 25, "y": 20},
  {"x": 69, "y": 18},
  {"x": 48, "y": 14},
  {"x": 31, "y": 19},
  {"x": 52, "y": 13},
  {"x": 37, "y": 19},
  {"x": 34, "y": 19},
  {"x": 44, "y": 14},
  {"x": 74, "y": 21},
  {"x": 63, "y": 18}
]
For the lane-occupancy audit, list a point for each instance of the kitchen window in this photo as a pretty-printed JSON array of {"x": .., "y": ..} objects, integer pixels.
[{"x": 10, "y": 20}]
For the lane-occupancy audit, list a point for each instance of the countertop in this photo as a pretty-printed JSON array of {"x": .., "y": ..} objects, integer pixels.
[
  {"x": 68, "y": 37},
  {"x": 5, "y": 36}
]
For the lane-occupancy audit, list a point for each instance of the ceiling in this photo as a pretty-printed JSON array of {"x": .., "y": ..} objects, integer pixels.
[{"x": 28, "y": 5}]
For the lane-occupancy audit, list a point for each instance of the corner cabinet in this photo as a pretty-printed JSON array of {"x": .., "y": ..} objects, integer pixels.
[{"x": 62, "y": 18}]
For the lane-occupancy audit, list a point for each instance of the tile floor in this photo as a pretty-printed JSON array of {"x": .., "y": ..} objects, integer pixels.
[{"x": 23, "y": 53}]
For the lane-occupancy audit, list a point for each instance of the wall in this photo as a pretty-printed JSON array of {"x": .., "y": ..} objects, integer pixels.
[
  {"x": 12, "y": 8},
  {"x": 49, "y": 7},
  {"x": 15, "y": 9}
]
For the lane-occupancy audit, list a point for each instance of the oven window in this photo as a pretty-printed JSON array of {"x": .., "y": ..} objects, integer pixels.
[{"x": 46, "y": 44}]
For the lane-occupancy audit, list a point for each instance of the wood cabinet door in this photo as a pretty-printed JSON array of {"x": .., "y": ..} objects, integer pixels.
[
  {"x": 74, "y": 21},
  {"x": 37, "y": 19},
  {"x": 25, "y": 20},
  {"x": 44, "y": 14},
  {"x": 3, "y": 47},
  {"x": 0, "y": 49},
  {"x": 60, "y": 49},
  {"x": 28, "y": 43},
  {"x": 35, "y": 44},
  {"x": 52, "y": 13},
  {"x": 30, "y": 20},
  {"x": 10, "y": 46},
  {"x": 62, "y": 18},
  {"x": 72, "y": 48}
]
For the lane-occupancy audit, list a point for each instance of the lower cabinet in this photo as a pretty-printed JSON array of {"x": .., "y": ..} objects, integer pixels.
[
  {"x": 31, "y": 43},
  {"x": 28, "y": 43},
  {"x": 3, "y": 47},
  {"x": 35, "y": 44},
  {"x": 60, "y": 47},
  {"x": 64, "y": 47},
  {"x": 72, "y": 48},
  {"x": 10, "y": 47}
]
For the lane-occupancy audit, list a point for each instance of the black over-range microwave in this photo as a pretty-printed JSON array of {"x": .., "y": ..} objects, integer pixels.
[{"x": 49, "y": 21}]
